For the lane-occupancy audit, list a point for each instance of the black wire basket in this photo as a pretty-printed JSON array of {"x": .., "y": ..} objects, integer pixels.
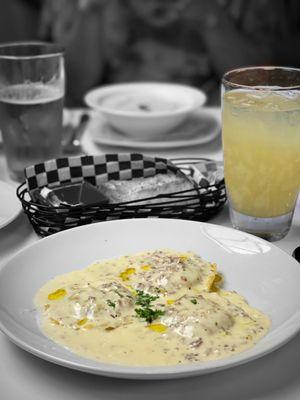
[{"x": 201, "y": 203}]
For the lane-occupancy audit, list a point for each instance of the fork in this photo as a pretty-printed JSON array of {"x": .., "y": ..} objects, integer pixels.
[{"x": 73, "y": 143}]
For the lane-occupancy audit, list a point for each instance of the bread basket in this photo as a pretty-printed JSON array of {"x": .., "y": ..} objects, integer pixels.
[{"x": 201, "y": 203}]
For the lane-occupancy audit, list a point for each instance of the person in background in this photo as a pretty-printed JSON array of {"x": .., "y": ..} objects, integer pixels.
[
  {"x": 19, "y": 20},
  {"x": 182, "y": 41}
]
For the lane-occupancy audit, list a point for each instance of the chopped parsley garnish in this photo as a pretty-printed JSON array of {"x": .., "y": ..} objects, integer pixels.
[
  {"x": 118, "y": 293},
  {"x": 146, "y": 312},
  {"x": 194, "y": 301},
  {"x": 144, "y": 299},
  {"x": 111, "y": 304}
]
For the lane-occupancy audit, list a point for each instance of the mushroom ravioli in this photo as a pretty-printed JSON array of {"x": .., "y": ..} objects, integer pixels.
[{"x": 160, "y": 307}]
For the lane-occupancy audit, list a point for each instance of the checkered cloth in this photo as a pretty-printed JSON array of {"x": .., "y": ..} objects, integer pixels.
[
  {"x": 94, "y": 169},
  {"x": 204, "y": 172}
]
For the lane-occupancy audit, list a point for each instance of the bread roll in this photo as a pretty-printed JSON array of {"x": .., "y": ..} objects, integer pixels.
[{"x": 118, "y": 191}]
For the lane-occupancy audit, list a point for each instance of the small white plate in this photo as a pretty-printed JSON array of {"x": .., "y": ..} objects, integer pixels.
[
  {"x": 200, "y": 127},
  {"x": 264, "y": 274},
  {"x": 10, "y": 206}
]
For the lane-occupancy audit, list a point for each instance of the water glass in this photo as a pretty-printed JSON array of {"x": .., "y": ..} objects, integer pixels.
[
  {"x": 261, "y": 147},
  {"x": 32, "y": 86}
]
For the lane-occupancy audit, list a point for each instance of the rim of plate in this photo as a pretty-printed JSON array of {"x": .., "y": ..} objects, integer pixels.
[
  {"x": 94, "y": 96},
  {"x": 18, "y": 207},
  {"x": 272, "y": 341},
  {"x": 153, "y": 144}
]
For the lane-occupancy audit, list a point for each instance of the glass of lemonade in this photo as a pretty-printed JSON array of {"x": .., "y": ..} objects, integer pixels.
[
  {"x": 261, "y": 147},
  {"x": 32, "y": 86}
]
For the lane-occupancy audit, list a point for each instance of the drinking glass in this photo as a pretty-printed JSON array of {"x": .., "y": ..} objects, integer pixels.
[
  {"x": 31, "y": 103},
  {"x": 261, "y": 147}
]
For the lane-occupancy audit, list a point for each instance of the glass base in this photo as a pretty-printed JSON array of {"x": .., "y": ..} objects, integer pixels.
[{"x": 271, "y": 229}]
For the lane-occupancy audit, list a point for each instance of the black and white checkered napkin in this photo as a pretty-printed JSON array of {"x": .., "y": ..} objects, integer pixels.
[
  {"x": 204, "y": 172},
  {"x": 207, "y": 173},
  {"x": 94, "y": 169}
]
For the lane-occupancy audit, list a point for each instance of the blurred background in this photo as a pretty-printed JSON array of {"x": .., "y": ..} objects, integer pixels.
[{"x": 184, "y": 41}]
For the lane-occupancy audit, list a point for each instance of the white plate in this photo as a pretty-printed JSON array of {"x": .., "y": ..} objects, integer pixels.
[
  {"x": 264, "y": 274},
  {"x": 200, "y": 128},
  {"x": 10, "y": 206}
]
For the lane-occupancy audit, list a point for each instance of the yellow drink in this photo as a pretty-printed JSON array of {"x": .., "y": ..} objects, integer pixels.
[{"x": 261, "y": 145}]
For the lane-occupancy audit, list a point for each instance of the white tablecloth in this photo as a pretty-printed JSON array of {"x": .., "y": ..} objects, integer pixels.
[{"x": 25, "y": 377}]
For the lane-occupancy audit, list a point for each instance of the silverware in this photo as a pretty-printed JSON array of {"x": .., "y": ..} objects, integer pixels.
[
  {"x": 296, "y": 254},
  {"x": 73, "y": 142}
]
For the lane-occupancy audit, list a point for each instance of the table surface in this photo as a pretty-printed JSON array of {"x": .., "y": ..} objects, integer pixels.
[{"x": 23, "y": 376}]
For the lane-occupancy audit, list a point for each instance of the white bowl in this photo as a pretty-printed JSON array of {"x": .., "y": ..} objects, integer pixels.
[{"x": 145, "y": 110}]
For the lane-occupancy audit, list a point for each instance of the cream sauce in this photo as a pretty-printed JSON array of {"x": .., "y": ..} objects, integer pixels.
[{"x": 153, "y": 308}]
